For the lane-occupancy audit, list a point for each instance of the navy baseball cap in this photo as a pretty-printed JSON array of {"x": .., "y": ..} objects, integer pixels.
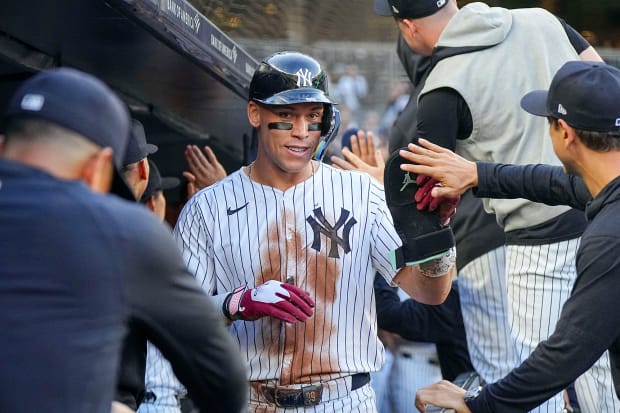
[
  {"x": 137, "y": 147},
  {"x": 408, "y": 9},
  {"x": 584, "y": 94},
  {"x": 81, "y": 103},
  {"x": 157, "y": 182}
]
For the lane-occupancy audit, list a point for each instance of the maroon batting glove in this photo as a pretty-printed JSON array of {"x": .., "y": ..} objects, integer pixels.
[
  {"x": 445, "y": 207},
  {"x": 271, "y": 299}
]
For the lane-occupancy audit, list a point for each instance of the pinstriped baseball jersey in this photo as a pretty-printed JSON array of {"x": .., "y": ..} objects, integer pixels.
[
  {"x": 161, "y": 381},
  {"x": 328, "y": 235}
]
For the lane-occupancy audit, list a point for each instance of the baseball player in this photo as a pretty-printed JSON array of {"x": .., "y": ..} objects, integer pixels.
[
  {"x": 467, "y": 104},
  {"x": 583, "y": 112},
  {"x": 78, "y": 266},
  {"x": 163, "y": 389},
  {"x": 289, "y": 248},
  {"x": 479, "y": 239}
]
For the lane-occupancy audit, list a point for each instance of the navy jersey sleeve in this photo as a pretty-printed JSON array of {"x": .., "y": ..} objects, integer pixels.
[
  {"x": 580, "y": 337},
  {"x": 539, "y": 183},
  {"x": 177, "y": 317}
]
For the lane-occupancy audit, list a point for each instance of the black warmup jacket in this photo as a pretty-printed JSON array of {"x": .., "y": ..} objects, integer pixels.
[{"x": 589, "y": 324}]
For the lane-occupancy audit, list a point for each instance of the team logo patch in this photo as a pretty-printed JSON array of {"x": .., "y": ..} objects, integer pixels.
[
  {"x": 304, "y": 78},
  {"x": 440, "y": 3},
  {"x": 32, "y": 102},
  {"x": 618, "y": 122},
  {"x": 562, "y": 109},
  {"x": 319, "y": 225}
]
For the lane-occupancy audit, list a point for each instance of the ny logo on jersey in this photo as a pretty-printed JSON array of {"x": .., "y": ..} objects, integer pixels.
[
  {"x": 321, "y": 226},
  {"x": 304, "y": 78},
  {"x": 406, "y": 181}
]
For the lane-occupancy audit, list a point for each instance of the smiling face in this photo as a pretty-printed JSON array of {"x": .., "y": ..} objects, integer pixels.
[{"x": 288, "y": 137}]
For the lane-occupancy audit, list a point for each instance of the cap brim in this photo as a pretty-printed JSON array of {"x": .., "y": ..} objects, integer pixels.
[
  {"x": 169, "y": 182},
  {"x": 120, "y": 187},
  {"x": 383, "y": 8},
  {"x": 151, "y": 149},
  {"x": 536, "y": 103}
]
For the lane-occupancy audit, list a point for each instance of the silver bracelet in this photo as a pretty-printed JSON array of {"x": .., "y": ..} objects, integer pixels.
[{"x": 439, "y": 266}]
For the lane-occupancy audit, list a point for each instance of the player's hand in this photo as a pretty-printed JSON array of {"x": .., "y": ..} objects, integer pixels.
[
  {"x": 285, "y": 302},
  {"x": 362, "y": 157},
  {"x": 425, "y": 201},
  {"x": 204, "y": 168},
  {"x": 442, "y": 394},
  {"x": 455, "y": 174}
]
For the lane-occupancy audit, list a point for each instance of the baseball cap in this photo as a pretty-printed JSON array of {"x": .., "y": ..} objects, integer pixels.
[
  {"x": 137, "y": 147},
  {"x": 408, "y": 9},
  {"x": 157, "y": 182},
  {"x": 81, "y": 103},
  {"x": 584, "y": 94}
]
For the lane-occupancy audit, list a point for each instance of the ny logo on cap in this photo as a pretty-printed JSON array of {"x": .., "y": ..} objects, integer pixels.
[
  {"x": 440, "y": 3},
  {"x": 304, "y": 78},
  {"x": 618, "y": 122}
]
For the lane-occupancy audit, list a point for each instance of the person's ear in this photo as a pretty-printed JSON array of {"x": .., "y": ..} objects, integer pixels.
[
  {"x": 98, "y": 169},
  {"x": 143, "y": 169},
  {"x": 254, "y": 114},
  {"x": 1, "y": 144},
  {"x": 568, "y": 133},
  {"x": 410, "y": 26}
]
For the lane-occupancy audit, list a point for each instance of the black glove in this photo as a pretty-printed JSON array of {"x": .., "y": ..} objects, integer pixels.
[{"x": 423, "y": 233}]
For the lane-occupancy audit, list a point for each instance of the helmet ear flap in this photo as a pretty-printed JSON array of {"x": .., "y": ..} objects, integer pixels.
[{"x": 331, "y": 124}]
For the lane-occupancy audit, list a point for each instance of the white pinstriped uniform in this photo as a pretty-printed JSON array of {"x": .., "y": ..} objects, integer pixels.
[
  {"x": 329, "y": 234},
  {"x": 482, "y": 290},
  {"x": 533, "y": 319},
  {"x": 160, "y": 380}
]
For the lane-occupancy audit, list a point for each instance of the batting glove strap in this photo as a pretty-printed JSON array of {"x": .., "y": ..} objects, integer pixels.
[{"x": 231, "y": 303}]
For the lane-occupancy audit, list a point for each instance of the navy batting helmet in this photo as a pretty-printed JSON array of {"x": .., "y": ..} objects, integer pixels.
[{"x": 286, "y": 78}]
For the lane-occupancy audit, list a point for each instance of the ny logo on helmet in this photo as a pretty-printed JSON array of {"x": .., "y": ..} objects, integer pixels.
[{"x": 304, "y": 78}]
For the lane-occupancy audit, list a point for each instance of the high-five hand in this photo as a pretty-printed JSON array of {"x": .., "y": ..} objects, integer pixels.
[{"x": 455, "y": 174}]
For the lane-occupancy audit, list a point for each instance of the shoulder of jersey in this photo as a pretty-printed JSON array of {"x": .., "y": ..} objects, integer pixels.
[{"x": 363, "y": 176}]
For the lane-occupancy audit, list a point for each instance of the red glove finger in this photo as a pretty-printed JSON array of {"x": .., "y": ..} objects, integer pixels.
[
  {"x": 423, "y": 195},
  {"x": 296, "y": 306},
  {"x": 299, "y": 293},
  {"x": 447, "y": 209},
  {"x": 292, "y": 310}
]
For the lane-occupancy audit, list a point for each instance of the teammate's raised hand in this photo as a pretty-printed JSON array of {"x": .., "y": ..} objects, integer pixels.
[
  {"x": 204, "y": 168},
  {"x": 362, "y": 157},
  {"x": 285, "y": 302},
  {"x": 456, "y": 174}
]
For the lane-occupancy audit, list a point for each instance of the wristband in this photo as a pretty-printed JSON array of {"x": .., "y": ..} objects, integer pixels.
[
  {"x": 439, "y": 266},
  {"x": 231, "y": 303}
]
